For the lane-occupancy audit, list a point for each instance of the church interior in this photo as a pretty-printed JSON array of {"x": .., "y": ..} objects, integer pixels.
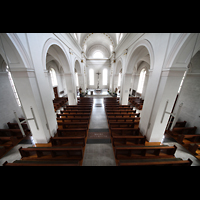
[{"x": 99, "y": 99}]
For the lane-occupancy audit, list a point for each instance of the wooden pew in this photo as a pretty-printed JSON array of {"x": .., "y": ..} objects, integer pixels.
[
  {"x": 121, "y": 112},
  {"x": 77, "y": 119},
  {"x": 52, "y": 153},
  {"x": 124, "y": 115},
  {"x": 188, "y": 137},
  {"x": 182, "y": 130},
  {"x": 70, "y": 141},
  {"x": 8, "y": 141},
  {"x": 155, "y": 162},
  {"x": 16, "y": 126},
  {"x": 118, "y": 106},
  {"x": 11, "y": 132},
  {"x": 144, "y": 152},
  {"x": 123, "y": 119},
  {"x": 118, "y": 109},
  {"x": 193, "y": 148},
  {"x": 66, "y": 125},
  {"x": 78, "y": 108},
  {"x": 124, "y": 131},
  {"x": 123, "y": 124},
  {"x": 34, "y": 163},
  {"x": 72, "y": 132},
  {"x": 118, "y": 140},
  {"x": 74, "y": 115},
  {"x": 76, "y": 112}
]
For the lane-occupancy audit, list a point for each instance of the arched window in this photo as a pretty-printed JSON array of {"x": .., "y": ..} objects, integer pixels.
[
  {"x": 53, "y": 77},
  {"x": 13, "y": 86},
  {"x": 91, "y": 76},
  {"x": 141, "y": 81},
  {"x": 97, "y": 54},
  {"x": 105, "y": 76}
]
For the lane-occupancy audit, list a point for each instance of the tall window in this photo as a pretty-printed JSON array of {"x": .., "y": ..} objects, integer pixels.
[
  {"x": 181, "y": 82},
  {"x": 105, "y": 76},
  {"x": 13, "y": 86},
  {"x": 141, "y": 81},
  {"x": 53, "y": 77},
  {"x": 75, "y": 35},
  {"x": 91, "y": 75}
]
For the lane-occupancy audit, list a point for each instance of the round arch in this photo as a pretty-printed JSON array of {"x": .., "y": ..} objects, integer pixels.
[
  {"x": 56, "y": 50},
  {"x": 77, "y": 66},
  {"x": 140, "y": 50}
]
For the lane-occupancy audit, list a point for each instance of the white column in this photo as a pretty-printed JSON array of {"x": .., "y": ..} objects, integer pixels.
[
  {"x": 72, "y": 97},
  {"x": 27, "y": 88},
  {"x": 168, "y": 88},
  {"x": 125, "y": 86},
  {"x": 47, "y": 75}
]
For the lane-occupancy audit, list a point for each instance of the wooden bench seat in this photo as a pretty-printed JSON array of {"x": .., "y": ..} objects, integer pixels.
[
  {"x": 124, "y": 115},
  {"x": 72, "y": 132},
  {"x": 118, "y": 140},
  {"x": 11, "y": 132},
  {"x": 70, "y": 141},
  {"x": 156, "y": 162},
  {"x": 193, "y": 148},
  {"x": 117, "y": 109},
  {"x": 66, "y": 125},
  {"x": 123, "y": 124},
  {"x": 182, "y": 130},
  {"x": 189, "y": 137},
  {"x": 124, "y": 131},
  {"x": 140, "y": 152},
  {"x": 123, "y": 119},
  {"x": 73, "y": 115},
  {"x": 52, "y": 153},
  {"x": 77, "y": 119},
  {"x": 8, "y": 141},
  {"x": 43, "y": 163},
  {"x": 121, "y": 112},
  {"x": 75, "y": 111},
  {"x": 79, "y": 108}
]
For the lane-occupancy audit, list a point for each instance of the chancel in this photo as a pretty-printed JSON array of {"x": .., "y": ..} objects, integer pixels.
[{"x": 99, "y": 99}]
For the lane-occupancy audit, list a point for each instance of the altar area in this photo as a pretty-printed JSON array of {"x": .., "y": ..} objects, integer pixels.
[{"x": 98, "y": 92}]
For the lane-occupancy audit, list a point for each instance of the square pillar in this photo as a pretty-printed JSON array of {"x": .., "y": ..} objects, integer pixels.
[
  {"x": 168, "y": 88},
  {"x": 28, "y": 92}
]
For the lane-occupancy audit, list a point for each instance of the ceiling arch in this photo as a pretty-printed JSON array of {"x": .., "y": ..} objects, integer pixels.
[{"x": 98, "y": 41}]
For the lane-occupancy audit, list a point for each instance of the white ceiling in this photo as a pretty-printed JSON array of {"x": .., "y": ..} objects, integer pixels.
[{"x": 104, "y": 42}]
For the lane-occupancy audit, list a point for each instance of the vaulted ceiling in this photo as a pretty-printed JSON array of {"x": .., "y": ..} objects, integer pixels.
[{"x": 104, "y": 43}]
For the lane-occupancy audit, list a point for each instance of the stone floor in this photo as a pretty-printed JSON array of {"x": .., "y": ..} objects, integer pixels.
[{"x": 99, "y": 155}]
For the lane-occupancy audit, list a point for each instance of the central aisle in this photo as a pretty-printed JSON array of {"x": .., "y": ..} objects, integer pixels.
[{"x": 98, "y": 150}]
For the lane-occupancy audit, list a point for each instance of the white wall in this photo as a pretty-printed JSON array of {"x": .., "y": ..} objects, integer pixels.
[
  {"x": 190, "y": 96},
  {"x": 8, "y": 102}
]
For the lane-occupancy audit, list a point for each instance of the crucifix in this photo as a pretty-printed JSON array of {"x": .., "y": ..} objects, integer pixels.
[{"x": 98, "y": 80}]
